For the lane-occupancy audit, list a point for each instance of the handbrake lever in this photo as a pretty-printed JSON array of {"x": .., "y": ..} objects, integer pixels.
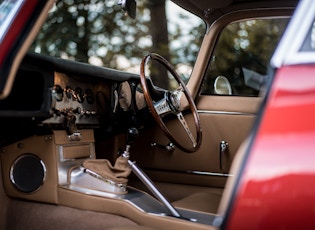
[{"x": 132, "y": 134}]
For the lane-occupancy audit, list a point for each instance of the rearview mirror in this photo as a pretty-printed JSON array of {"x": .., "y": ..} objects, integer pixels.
[{"x": 129, "y": 6}]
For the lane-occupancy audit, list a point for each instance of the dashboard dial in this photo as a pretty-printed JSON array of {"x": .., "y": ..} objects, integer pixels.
[
  {"x": 140, "y": 100},
  {"x": 124, "y": 96},
  {"x": 89, "y": 96}
]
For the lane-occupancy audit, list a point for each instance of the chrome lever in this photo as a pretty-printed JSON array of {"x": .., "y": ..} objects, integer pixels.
[{"x": 169, "y": 147}]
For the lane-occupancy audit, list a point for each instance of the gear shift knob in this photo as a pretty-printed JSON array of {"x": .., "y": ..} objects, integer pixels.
[{"x": 132, "y": 135}]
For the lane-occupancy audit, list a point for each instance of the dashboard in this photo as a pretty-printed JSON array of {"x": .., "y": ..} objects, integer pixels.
[
  {"x": 59, "y": 94},
  {"x": 81, "y": 99}
]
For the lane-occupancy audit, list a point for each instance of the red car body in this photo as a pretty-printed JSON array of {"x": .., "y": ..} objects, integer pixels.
[
  {"x": 277, "y": 186},
  {"x": 276, "y": 189}
]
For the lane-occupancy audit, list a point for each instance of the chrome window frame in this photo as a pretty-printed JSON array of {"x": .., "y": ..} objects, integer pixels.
[
  {"x": 289, "y": 51},
  {"x": 9, "y": 18}
]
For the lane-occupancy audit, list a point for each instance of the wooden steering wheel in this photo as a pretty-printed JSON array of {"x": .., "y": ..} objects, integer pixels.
[{"x": 169, "y": 102}]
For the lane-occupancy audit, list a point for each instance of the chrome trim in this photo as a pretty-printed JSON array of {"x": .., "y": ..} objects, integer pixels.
[
  {"x": 85, "y": 178},
  {"x": 224, "y": 148},
  {"x": 204, "y": 173},
  {"x": 76, "y": 136},
  {"x": 151, "y": 186},
  {"x": 184, "y": 124},
  {"x": 148, "y": 204},
  {"x": 162, "y": 107},
  {"x": 65, "y": 164},
  {"x": 287, "y": 51},
  {"x": 210, "y": 173},
  {"x": 169, "y": 147},
  {"x": 225, "y": 112},
  {"x": 8, "y": 19},
  {"x": 17, "y": 160}
]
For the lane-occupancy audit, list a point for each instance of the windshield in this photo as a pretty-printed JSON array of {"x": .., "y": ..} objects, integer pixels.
[{"x": 100, "y": 33}]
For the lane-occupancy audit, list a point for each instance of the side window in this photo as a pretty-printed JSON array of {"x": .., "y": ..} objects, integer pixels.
[
  {"x": 309, "y": 42},
  {"x": 241, "y": 57}
]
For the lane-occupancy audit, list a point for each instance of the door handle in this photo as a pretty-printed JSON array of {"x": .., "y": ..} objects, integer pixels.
[{"x": 223, "y": 151}]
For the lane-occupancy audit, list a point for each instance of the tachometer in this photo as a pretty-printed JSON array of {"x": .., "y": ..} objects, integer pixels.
[
  {"x": 124, "y": 96},
  {"x": 140, "y": 101}
]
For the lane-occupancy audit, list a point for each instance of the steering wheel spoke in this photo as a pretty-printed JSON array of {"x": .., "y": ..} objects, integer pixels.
[{"x": 182, "y": 120}]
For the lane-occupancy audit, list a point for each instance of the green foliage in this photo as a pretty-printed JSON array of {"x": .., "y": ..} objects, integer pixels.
[
  {"x": 93, "y": 31},
  {"x": 98, "y": 32},
  {"x": 246, "y": 44}
]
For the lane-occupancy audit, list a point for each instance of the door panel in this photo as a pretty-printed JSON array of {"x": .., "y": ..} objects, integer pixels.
[
  {"x": 241, "y": 57},
  {"x": 203, "y": 167},
  {"x": 229, "y": 119}
]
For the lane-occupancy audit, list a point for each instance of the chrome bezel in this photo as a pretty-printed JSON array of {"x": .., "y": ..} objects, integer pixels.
[
  {"x": 289, "y": 51},
  {"x": 15, "y": 163}
]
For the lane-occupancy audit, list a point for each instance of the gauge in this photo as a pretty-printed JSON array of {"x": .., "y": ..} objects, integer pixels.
[
  {"x": 124, "y": 96},
  {"x": 89, "y": 96},
  {"x": 79, "y": 95},
  {"x": 68, "y": 91},
  {"x": 140, "y": 100}
]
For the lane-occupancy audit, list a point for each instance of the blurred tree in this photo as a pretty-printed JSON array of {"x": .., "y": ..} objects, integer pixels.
[
  {"x": 160, "y": 44},
  {"x": 98, "y": 32},
  {"x": 93, "y": 31},
  {"x": 246, "y": 44}
]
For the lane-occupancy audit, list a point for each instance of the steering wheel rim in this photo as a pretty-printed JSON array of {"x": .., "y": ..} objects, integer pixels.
[{"x": 158, "y": 117}]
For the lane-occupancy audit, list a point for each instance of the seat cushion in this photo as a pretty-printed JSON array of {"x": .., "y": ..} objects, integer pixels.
[{"x": 202, "y": 201}]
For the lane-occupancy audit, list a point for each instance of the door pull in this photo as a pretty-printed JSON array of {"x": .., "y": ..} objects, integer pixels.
[{"x": 223, "y": 151}]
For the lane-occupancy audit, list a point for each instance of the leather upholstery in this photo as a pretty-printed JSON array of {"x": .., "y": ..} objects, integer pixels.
[{"x": 202, "y": 201}]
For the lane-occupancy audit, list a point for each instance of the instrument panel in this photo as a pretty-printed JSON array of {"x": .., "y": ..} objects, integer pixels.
[
  {"x": 79, "y": 100},
  {"x": 88, "y": 101},
  {"x": 61, "y": 94}
]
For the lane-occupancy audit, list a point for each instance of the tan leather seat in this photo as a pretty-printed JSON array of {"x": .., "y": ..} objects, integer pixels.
[
  {"x": 201, "y": 201},
  {"x": 131, "y": 227}
]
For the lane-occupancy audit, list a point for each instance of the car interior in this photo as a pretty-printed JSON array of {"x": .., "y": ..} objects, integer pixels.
[{"x": 93, "y": 147}]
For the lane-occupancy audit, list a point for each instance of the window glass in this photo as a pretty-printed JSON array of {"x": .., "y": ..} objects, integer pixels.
[
  {"x": 309, "y": 43},
  {"x": 241, "y": 57},
  {"x": 99, "y": 33}
]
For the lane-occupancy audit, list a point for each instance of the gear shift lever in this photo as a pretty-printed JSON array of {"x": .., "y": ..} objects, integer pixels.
[
  {"x": 132, "y": 134},
  {"x": 130, "y": 138},
  {"x": 117, "y": 175}
]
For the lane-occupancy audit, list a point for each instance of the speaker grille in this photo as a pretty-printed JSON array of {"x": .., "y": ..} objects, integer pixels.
[{"x": 28, "y": 173}]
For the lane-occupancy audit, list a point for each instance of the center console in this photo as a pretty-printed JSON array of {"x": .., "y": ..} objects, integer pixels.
[{"x": 59, "y": 157}]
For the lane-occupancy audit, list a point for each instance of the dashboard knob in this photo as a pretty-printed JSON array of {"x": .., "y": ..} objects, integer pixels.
[
  {"x": 78, "y": 110},
  {"x": 57, "y": 92},
  {"x": 79, "y": 95}
]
